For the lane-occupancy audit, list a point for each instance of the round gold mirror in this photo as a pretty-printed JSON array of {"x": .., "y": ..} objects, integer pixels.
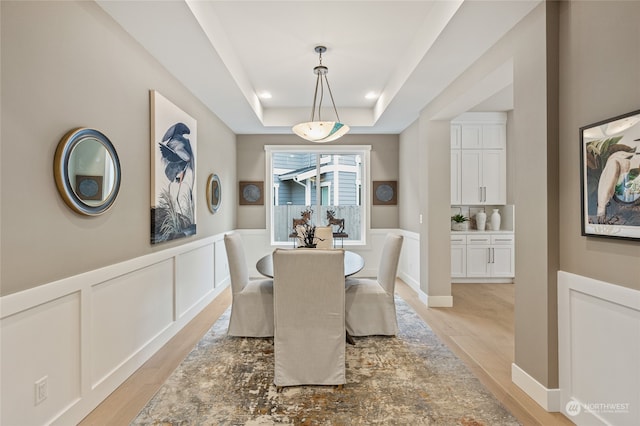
[
  {"x": 214, "y": 193},
  {"x": 87, "y": 171}
]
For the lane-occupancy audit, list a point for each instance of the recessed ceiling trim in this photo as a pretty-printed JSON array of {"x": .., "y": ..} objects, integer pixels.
[
  {"x": 483, "y": 89},
  {"x": 210, "y": 24},
  {"x": 435, "y": 22}
]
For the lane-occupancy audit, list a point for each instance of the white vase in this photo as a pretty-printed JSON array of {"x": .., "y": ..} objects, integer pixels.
[
  {"x": 495, "y": 220},
  {"x": 481, "y": 220}
]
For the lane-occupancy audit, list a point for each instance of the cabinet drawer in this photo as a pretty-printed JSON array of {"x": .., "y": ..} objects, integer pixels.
[
  {"x": 478, "y": 239},
  {"x": 502, "y": 239},
  {"x": 458, "y": 239}
]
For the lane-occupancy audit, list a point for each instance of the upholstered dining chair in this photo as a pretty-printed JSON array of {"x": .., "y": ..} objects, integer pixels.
[
  {"x": 324, "y": 237},
  {"x": 252, "y": 299},
  {"x": 369, "y": 303},
  {"x": 309, "y": 341}
]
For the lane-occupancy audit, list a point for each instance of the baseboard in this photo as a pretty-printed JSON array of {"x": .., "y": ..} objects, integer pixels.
[
  {"x": 549, "y": 399},
  {"x": 410, "y": 281},
  {"x": 482, "y": 280},
  {"x": 429, "y": 301},
  {"x": 439, "y": 301}
]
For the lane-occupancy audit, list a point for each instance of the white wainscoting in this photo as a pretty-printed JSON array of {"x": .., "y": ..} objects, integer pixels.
[
  {"x": 599, "y": 351},
  {"x": 88, "y": 333},
  {"x": 256, "y": 243},
  {"x": 409, "y": 268}
]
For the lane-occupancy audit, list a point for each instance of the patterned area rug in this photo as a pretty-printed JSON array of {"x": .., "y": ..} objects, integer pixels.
[{"x": 411, "y": 379}]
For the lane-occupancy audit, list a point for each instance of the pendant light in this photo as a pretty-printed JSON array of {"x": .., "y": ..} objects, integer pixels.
[{"x": 321, "y": 131}]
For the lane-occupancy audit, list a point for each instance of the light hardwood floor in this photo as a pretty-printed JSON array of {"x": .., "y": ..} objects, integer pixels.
[{"x": 478, "y": 329}]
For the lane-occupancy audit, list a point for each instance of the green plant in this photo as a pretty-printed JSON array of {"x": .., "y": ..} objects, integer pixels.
[{"x": 459, "y": 218}]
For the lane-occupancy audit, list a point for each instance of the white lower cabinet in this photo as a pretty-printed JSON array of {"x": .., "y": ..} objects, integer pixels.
[
  {"x": 482, "y": 255},
  {"x": 502, "y": 256},
  {"x": 478, "y": 260},
  {"x": 458, "y": 256}
]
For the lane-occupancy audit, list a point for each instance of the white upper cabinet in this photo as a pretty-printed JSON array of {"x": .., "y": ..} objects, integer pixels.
[
  {"x": 482, "y": 177},
  {"x": 471, "y": 136},
  {"x": 494, "y": 136},
  {"x": 455, "y": 137},
  {"x": 478, "y": 159}
]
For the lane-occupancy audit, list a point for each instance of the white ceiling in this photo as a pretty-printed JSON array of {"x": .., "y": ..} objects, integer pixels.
[{"x": 229, "y": 52}]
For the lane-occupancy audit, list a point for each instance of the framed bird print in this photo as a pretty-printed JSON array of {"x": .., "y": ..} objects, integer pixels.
[
  {"x": 610, "y": 178},
  {"x": 173, "y": 174}
]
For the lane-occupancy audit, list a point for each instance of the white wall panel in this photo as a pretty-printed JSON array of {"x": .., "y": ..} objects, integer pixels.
[
  {"x": 221, "y": 267},
  {"x": 599, "y": 349},
  {"x": 126, "y": 313},
  {"x": 409, "y": 268},
  {"x": 194, "y": 277},
  {"x": 41, "y": 341},
  {"x": 89, "y": 332}
]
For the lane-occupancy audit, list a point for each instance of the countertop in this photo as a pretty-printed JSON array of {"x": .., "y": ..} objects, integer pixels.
[{"x": 475, "y": 231}]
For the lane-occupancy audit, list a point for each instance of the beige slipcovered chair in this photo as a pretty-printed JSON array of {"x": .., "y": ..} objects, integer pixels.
[
  {"x": 252, "y": 299},
  {"x": 324, "y": 237},
  {"x": 370, "y": 305},
  {"x": 309, "y": 341}
]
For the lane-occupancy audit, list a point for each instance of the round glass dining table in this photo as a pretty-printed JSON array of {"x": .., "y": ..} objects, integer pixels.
[{"x": 353, "y": 263}]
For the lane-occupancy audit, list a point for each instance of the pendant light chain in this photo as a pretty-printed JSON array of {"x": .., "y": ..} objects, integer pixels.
[{"x": 331, "y": 95}]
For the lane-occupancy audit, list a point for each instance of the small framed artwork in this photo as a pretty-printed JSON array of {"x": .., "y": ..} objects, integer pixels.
[
  {"x": 385, "y": 193},
  {"x": 610, "y": 177},
  {"x": 214, "y": 193},
  {"x": 251, "y": 193}
]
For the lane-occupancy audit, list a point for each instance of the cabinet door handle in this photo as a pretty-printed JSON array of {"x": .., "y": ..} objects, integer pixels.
[
  {"x": 480, "y": 193},
  {"x": 484, "y": 194},
  {"x": 493, "y": 255}
]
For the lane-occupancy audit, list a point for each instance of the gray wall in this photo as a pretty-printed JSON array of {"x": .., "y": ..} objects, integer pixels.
[
  {"x": 251, "y": 166},
  {"x": 66, "y": 65},
  {"x": 409, "y": 170},
  {"x": 566, "y": 75},
  {"x": 536, "y": 338},
  {"x": 599, "y": 79}
]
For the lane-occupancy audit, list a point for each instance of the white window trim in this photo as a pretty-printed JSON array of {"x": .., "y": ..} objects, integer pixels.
[{"x": 364, "y": 150}]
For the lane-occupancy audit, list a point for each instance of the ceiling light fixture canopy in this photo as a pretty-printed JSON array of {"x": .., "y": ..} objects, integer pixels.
[{"x": 321, "y": 131}]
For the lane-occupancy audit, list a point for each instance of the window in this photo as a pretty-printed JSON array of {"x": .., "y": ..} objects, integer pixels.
[{"x": 329, "y": 181}]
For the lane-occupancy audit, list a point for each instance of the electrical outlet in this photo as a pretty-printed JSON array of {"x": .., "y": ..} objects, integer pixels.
[
  {"x": 420, "y": 218},
  {"x": 41, "y": 390}
]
